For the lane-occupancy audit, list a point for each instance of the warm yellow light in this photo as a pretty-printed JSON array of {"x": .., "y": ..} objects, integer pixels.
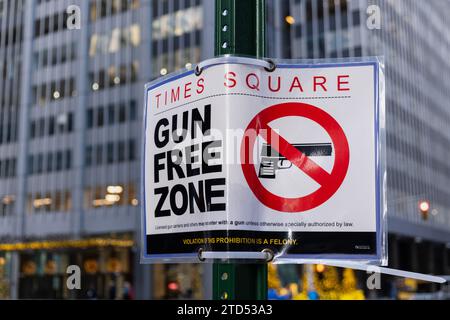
[
  {"x": 134, "y": 202},
  {"x": 114, "y": 189},
  {"x": 112, "y": 197},
  {"x": 188, "y": 66},
  {"x": 178, "y": 31},
  {"x": 2, "y": 261},
  {"x": 424, "y": 206},
  {"x": 163, "y": 71},
  {"x": 80, "y": 243},
  {"x": 7, "y": 200},
  {"x": 37, "y": 203},
  {"x": 320, "y": 268},
  {"x": 289, "y": 19},
  {"x": 284, "y": 291},
  {"x": 101, "y": 203}
]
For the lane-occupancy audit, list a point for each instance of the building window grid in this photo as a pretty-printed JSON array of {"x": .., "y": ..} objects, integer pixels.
[
  {"x": 8, "y": 167},
  {"x": 47, "y": 57},
  {"x": 49, "y": 162},
  {"x": 52, "y": 91},
  {"x": 100, "y": 9},
  {"x": 114, "y": 76},
  {"x": 111, "y": 152},
  {"x": 52, "y": 125},
  {"x": 176, "y": 40},
  {"x": 111, "y": 114},
  {"x": 109, "y": 196}
]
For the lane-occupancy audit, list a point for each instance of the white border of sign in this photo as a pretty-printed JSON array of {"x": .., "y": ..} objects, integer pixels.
[{"x": 380, "y": 164}]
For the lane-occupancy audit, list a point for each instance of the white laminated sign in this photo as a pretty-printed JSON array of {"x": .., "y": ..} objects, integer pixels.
[{"x": 241, "y": 158}]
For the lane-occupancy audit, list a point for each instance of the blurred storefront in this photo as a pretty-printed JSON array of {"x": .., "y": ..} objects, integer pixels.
[
  {"x": 325, "y": 282},
  {"x": 107, "y": 271},
  {"x": 177, "y": 281},
  {"x": 5, "y": 271},
  {"x": 105, "y": 268},
  {"x": 314, "y": 282}
]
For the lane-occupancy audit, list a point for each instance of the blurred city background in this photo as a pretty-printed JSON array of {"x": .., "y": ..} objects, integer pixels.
[{"x": 71, "y": 108}]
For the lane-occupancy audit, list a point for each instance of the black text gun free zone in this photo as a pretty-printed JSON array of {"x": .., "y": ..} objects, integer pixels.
[{"x": 179, "y": 160}]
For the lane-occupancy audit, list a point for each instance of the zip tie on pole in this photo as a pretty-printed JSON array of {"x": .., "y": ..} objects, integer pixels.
[
  {"x": 377, "y": 269},
  {"x": 267, "y": 255},
  {"x": 268, "y": 65}
]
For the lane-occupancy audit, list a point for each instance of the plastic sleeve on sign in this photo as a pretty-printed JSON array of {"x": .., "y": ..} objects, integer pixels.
[{"x": 198, "y": 205}]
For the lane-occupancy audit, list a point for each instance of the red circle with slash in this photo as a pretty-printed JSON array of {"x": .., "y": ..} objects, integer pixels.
[{"x": 329, "y": 182}]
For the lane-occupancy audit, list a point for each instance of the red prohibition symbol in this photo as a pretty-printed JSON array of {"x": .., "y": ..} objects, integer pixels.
[{"x": 329, "y": 182}]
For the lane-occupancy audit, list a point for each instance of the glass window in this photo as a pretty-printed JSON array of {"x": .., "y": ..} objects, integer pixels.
[
  {"x": 13, "y": 167},
  {"x": 51, "y": 125},
  {"x": 131, "y": 150},
  {"x": 110, "y": 152},
  {"x": 50, "y": 162},
  {"x": 122, "y": 113},
  {"x": 32, "y": 129},
  {"x": 133, "y": 110},
  {"x": 88, "y": 156},
  {"x": 40, "y": 163},
  {"x": 44, "y": 58},
  {"x": 30, "y": 165},
  {"x": 70, "y": 122},
  {"x": 111, "y": 114},
  {"x": 90, "y": 118},
  {"x": 132, "y": 199},
  {"x": 59, "y": 161},
  {"x": 356, "y": 18},
  {"x": 68, "y": 159},
  {"x": 121, "y": 151},
  {"x": 67, "y": 201},
  {"x": 99, "y": 154},
  {"x": 7, "y": 205},
  {"x": 41, "y": 127},
  {"x": 93, "y": 11},
  {"x": 57, "y": 203},
  {"x": 100, "y": 117}
]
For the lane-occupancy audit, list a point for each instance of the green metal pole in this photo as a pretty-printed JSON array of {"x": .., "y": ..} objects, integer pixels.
[{"x": 240, "y": 29}]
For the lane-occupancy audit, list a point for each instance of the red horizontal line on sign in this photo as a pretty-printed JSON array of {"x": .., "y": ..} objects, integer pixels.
[{"x": 252, "y": 95}]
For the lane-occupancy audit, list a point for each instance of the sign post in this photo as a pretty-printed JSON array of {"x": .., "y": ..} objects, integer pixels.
[{"x": 240, "y": 29}]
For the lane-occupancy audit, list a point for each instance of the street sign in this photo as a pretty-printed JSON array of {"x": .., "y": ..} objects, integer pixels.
[{"x": 240, "y": 158}]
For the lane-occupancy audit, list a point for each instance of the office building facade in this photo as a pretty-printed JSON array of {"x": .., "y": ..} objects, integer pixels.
[{"x": 70, "y": 136}]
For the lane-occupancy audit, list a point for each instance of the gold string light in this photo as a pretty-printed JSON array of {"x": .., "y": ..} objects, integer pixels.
[{"x": 62, "y": 244}]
